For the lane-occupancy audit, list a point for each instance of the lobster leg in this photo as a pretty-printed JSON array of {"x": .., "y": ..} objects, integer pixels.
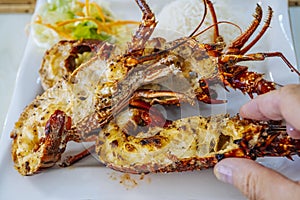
[
  {"x": 257, "y": 57},
  {"x": 207, "y": 95},
  {"x": 136, "y": 46},
  {"x": 238, "y": 77},
  {"x": 162, "y": 97},
  {"x": 261, "y": 33},
  {"x": 70, "y": 160},
  {"x": 147, "y": 115},
  {"x": 238, "y": 43}
]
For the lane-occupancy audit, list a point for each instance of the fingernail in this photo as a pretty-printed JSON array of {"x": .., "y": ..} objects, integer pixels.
[
  {"x": 292, "y": 131},
  {"x": 223, "y": 173}
]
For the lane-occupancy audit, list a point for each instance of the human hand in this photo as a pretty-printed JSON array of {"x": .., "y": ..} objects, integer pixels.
[
  {"x": 252, "y": 179},
  {"x": 281, "y": 104}
]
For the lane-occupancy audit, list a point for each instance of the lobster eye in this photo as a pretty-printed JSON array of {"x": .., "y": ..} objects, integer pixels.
[{"x": 202, "y": 83}]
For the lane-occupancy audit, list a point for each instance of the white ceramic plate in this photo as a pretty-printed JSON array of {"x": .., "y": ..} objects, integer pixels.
[{"x": 89, "y": 180}]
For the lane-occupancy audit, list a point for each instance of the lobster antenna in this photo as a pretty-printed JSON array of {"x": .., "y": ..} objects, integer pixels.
[
  {"x": 220, "y": 22},
  {"x": 202, "y": 20},
  {"x": 162, "y": 52},
  {"x": 192, "y": 35}
]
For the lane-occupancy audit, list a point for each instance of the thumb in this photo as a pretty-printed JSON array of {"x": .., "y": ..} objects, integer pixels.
[{"x": 256, "y": 181}]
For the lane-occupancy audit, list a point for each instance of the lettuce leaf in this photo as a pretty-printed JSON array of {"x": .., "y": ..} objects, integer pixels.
[{"x": 57, "y": 11}]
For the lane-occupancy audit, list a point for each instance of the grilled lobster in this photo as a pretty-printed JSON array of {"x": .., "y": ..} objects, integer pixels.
[
  {"x": 190, "y": 143},
  {"x": 77, "y": 106},
  {"x": 65, "y": 56}
]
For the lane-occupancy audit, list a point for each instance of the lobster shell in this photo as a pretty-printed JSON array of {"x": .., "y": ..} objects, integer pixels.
[{"x": 191, "y": 143}]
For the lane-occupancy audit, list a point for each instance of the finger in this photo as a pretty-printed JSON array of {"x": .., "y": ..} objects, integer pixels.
[
  {"x": 263, "y": 107},
  {"x": 256, "y": 181},
  {"x": 276, "y": 105},
  {"x": 294, "y": 133}
]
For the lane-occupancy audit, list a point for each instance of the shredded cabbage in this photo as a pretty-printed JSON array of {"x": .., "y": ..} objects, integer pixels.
[{"x": 71, "y": 19}]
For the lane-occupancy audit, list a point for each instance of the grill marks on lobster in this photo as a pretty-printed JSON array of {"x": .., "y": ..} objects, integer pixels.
[
  {"x": 92, "y": 95},
  {"x": 190, "y": 143}
]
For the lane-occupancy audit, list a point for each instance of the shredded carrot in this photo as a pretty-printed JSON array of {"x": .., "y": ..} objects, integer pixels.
[
  {"x": 80, "y": 3},
  {"x": 87, "y": 7},
  {"x": 61, "y": 33},
  {"x": 100, "y": 25},
  {"x": 118, "y": 23},
  {"x": 104, "y": 23},
  {"x": 80, "y": 14},
  {"x": 63, "y": 23},
  {"x": 100, "y": 12}
]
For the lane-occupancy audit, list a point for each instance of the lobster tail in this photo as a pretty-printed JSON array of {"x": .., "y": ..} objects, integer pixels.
[{"x": 191, "y": 143}]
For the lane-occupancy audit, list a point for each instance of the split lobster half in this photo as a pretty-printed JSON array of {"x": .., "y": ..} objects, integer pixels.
[
  {"x": 190, "y": 143},
  {"x": 88, "y": 98}
]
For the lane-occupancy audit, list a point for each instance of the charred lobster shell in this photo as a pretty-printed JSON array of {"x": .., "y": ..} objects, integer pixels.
[{"x": 192, "y": 143}]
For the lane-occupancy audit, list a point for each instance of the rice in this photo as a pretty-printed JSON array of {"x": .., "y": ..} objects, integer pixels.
[{"x": 181, "y": 17}]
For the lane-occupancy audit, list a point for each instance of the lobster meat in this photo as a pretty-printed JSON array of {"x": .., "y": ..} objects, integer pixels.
[
  {"x": 89, "y": 97},
  {"x": 65, "y": 56},
  {"x": 190, "y": 143}
]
